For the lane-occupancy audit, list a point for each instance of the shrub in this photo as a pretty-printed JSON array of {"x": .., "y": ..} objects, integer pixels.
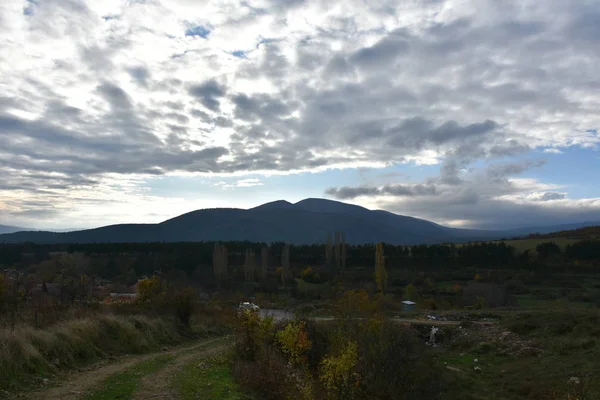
[
  {"x": 293, "y": 342},
  {"x": 184, "y": 303},
  {"x": 338, "y": 373}
]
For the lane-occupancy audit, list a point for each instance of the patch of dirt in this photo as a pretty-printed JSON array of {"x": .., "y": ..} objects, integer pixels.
[
  {"x": 78, "y": 384},
  {"x": 506, "y": 342}
]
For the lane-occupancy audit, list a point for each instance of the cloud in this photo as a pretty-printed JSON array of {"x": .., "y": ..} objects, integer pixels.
[
  {"x": 140, "y": 89},
  {"x": 241, "y": 183},
  {"x": 490, "y": 197},
  {"x": 548, "y": 196},
  {"x": 345, "y": 192},
  {"x": 208, "y": 93}
]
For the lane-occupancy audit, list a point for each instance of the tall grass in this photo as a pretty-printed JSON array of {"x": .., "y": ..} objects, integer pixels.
[{"x": 28, "y": 352}]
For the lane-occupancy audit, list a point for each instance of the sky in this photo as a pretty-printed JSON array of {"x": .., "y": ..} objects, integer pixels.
[{"x": 469, "y": 113}]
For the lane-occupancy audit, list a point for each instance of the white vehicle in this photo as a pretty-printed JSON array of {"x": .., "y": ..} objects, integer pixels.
[{"x": 248, "y": 306}]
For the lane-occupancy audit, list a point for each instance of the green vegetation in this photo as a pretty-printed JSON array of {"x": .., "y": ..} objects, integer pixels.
[
  {"x": 207, "y": 379},
  {"x": 123, "y": 385}
]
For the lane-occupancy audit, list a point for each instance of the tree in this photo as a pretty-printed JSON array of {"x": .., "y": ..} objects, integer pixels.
[
  {"x": 410, "y": 293},
  {"x": 264, "y": 263},
  {"x": 343, "y": 250},
  {"x": 249, "y": 265},
  {"x": 381, "y": 275},
  {"x": 149, "y": 290},
  {"x": 328, "y": 250},
  {"x": 220, "y": 262},
  {"x": 285, "y": 263},
  {"x": 547, "y": 249},
  {"x": 337, "y": 250}
]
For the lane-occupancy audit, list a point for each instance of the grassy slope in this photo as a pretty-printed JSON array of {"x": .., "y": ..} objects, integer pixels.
[{"x": 28, "y": 355}]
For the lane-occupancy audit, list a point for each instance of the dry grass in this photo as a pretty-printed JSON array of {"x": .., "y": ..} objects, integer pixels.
[{"x": 28, "y": 352}]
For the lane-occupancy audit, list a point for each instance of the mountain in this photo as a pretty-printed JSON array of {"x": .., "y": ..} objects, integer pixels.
[
  {"x": 10, "y": 229},
  {"x": 305, "y": 222}
]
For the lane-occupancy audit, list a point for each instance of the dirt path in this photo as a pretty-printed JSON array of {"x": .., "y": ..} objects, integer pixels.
[
  {"x": 76, "y": 385},
  {"x": 430, "y": 322},
  {"x": 157, "y": 386}
]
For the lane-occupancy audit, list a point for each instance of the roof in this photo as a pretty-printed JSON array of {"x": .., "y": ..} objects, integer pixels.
[{"x": 408, "y": 302}]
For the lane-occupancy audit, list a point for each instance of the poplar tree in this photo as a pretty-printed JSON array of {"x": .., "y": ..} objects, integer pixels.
[
  {"x": 328, "y": 250},
  {"x": 285, "y": 263},
  {"x": 380, "y": 271},
  {"x": 249, "y": 265},
  {"x": 220, "y": 263},
  {"x": 264, "y": 263}
]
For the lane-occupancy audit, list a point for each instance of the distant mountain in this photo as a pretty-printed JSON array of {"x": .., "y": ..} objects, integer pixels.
[
  {"x": 10, "y": 229},
  {"x": 308, "y": 221}
]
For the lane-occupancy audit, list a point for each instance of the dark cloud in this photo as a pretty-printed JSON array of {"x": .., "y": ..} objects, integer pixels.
[
  {"x": 180, "y": 118},
  {"x": 502, "y": 171},
  {"x": 261, "y": 107},
  {"x": 346, "y": 193},
  {"x": 140, "y": 74},
  {"x": 115, "y": 96},
  {"x": 384, "y": 52},
  {"x": 548, "y": 196},
  {"x": 208, "y": 94}
]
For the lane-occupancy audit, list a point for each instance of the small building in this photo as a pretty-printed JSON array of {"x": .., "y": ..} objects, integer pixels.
[{"x": 408, "y": 305}]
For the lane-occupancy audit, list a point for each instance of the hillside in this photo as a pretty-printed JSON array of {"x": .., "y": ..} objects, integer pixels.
[
  {"x": 10, "y": 229},
  {"x": 305, "y": 222},
  {"x": 589, "y": 232}
]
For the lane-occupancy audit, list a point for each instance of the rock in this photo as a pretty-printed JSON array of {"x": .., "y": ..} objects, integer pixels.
[
  {"x": 476, "y": 368},
  {"x": 476, "y": 360},
  {"x": 574, "y": 380}
]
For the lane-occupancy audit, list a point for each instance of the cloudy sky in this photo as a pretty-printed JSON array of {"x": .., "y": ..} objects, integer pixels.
[{"x": 475, "y": 113}]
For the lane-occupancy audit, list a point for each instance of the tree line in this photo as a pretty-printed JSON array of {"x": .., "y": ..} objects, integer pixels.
[{"x": 334, "y": 254}]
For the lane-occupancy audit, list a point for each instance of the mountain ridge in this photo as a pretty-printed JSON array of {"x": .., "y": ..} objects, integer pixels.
[{"x": 304, "y": 222}]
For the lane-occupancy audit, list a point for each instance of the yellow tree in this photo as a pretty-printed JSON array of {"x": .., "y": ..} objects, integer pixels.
[{"x": 380, "y": 271}]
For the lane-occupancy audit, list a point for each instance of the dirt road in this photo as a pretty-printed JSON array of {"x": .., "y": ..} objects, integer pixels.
[{"x": 78, "y": 385}]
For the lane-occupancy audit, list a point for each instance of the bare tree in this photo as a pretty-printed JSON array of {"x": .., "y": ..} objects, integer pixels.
[
  {"x": 343, "y": 251},
  {"x": 380, "y": 271},
  {"x": 264, "y": 263},
  {"x": 337, "y": 252},
  {"x": 249, "y": 265},
  {"x": 285, "y": 263},
  {"x": 220, "y": 262},
  {"x": 328, "y": 250}
]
